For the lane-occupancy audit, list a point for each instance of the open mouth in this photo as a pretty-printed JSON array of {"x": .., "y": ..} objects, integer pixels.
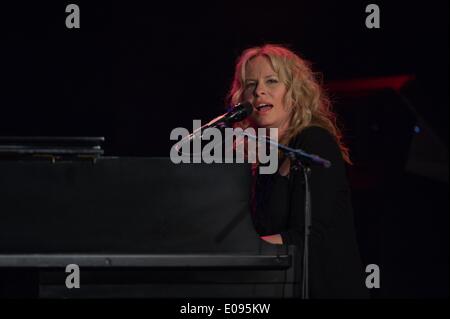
[{"x": 264, "y": 107}]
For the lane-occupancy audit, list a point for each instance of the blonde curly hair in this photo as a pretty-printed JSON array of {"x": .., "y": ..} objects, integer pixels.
[{"x": 310, "y": 105}]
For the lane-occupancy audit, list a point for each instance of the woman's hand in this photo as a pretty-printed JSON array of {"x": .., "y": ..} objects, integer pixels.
[{"x": 273, "y": 239}]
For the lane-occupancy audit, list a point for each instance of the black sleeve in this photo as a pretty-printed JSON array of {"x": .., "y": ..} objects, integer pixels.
[{"x": 326, "y": 185}]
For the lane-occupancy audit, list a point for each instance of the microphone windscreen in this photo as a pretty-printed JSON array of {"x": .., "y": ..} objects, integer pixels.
[{"x": 246, "y": 107}]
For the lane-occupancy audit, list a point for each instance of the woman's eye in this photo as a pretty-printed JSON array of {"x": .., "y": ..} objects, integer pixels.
[
  {"x": 271, "y": 81},
  {"x": 250, "y": 84}
]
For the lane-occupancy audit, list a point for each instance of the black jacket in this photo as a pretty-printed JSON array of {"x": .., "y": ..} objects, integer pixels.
[{"x": 335, "y": 265}]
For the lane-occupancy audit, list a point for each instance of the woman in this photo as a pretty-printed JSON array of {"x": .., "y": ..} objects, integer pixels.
[{"x": 286, "y": 95}]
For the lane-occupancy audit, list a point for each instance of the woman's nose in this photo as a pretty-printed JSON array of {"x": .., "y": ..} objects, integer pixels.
[{"x": 260, "y": 90}]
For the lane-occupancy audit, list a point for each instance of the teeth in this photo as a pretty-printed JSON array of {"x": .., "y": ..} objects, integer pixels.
[{"x": 260, "y": 106}]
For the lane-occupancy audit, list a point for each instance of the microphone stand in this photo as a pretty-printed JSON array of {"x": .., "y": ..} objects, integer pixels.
[
  {"x": 297, "y": 165},
  {"x": 300, "y": 160}
]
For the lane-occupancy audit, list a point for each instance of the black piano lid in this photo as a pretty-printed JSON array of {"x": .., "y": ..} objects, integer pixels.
[
  {"x": 52, "y": 145},
  {"x": 52, "y": 140}
]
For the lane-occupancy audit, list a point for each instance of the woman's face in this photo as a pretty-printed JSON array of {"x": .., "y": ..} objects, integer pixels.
[{"x": 264, "y": 89}]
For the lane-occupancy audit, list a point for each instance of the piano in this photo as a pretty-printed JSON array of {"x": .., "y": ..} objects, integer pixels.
[{"x": 136, "y": 228}]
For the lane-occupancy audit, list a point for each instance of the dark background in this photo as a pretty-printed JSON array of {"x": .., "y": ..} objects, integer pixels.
[{"x": 135, "y": 70}]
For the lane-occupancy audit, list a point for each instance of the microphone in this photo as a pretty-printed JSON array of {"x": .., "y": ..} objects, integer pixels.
[{"x": 237, "y": 113}]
